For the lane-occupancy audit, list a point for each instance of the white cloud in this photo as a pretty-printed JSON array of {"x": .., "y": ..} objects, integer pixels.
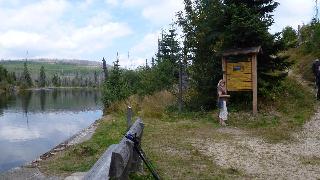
[
  {"x": 38, "y": 16},
  {"x": 42, "y": 28},
  {"x": 136, "y": 3},
  {"x": 74, "y": 43},
  {"x": 144, "y": 49},
  {"x": 85, "y": 4},
  {"x": 131, "y": 63},
  {"x": 148, "y": 45},
  {"x": 292, "y": 13},
  {"x": 112, "y": 2},
  {"x": 155, "y": 11},
  {"x": 13, "y": 39},
  {"x": 82, "y": 29},
  {"x": 162, "y": 12}
]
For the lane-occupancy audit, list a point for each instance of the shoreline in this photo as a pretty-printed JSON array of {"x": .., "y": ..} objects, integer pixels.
[
  {"x": 53, "y": 88},
  {"x": 81, "y": 136}
]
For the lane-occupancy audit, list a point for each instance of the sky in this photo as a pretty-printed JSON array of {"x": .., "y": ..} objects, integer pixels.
[{"x": 92, "y": 29}]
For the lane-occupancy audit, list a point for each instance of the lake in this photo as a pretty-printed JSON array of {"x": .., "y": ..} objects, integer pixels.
[{"x": 33, "y": 122}]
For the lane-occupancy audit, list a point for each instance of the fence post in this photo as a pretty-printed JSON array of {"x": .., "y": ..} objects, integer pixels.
[
  {"x": 137, "y": 163},
  {"x": 119, "y": 159},
  {"x": 129, "y": 117}
]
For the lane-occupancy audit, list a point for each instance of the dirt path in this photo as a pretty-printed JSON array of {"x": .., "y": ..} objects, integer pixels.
[{"x": 261, "y": 160}]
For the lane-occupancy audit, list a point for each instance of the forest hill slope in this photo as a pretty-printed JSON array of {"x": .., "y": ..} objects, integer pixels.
[{"x": 70, "y": 72}]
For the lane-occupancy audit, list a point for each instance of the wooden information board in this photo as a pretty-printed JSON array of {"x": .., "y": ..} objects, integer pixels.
[
  {"x": 239, "y": 67},
  {"x": 239, "y": 75}
]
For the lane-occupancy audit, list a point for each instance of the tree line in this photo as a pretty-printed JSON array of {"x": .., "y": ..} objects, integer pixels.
[
  {"x": 24, "y": 79},
  {"x": 193, "y": 60},
  {"x": 7, "y": 79}
]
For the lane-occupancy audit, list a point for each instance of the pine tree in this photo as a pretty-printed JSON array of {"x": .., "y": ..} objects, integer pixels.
[
  {"x": 202, "y": 26},
  {"x": 3, "y": 74},
  {"x": 246, "y": 25},
  {"x": 211, "y": 27},
  {"x": 168, "y": 46},
  {"x": 26, "y": 78},
  {"x": 95, "y": 76},
  {"x": 55, "y": 80},
  {"x": 105, "y": 69},
  {"x": 42, "y": 77},
  {"x": 289, "y": 37},
  {"x": 115, "y": 88},
  {"x": 169, "y": 50}
]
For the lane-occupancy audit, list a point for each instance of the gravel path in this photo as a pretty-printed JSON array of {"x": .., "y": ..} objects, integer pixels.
[{"x": 261, "y": 160}]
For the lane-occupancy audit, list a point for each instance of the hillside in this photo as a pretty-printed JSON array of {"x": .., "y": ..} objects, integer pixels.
[
  {"x": 52, "y": 66},
  {"x": 66, "y": 69}
]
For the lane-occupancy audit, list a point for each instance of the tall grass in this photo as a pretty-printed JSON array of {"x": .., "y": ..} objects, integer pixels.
[
  {"x": 148, "y": 106},
  {"x": 155, "y": 105}
]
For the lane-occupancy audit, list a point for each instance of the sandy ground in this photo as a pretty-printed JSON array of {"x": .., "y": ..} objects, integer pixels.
[{"x": 260, "y": 160}]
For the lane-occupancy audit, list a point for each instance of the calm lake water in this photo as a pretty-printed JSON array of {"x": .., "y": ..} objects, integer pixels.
[{"x": 33, "y": 122}]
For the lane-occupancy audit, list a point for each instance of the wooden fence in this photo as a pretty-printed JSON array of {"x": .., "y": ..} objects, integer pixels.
[{"x": 119, "y": 159}]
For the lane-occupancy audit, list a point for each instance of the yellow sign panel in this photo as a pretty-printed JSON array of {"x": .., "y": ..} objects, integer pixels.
[{"x": 239, "y": 76}]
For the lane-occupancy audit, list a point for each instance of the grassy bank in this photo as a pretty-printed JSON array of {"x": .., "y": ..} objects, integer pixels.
[
  {"x": 81, "y": 157},
  {"x": 302, "y": 62},
  {"x": 170, "y": 138},
  {"x": 293, "y": 104}
]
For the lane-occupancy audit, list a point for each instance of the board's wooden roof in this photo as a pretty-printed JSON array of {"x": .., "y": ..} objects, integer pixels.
[{"x": 234, "y": 52}]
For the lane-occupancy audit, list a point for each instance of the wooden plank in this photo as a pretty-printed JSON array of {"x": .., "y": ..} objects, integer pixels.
[
  {"x": 137, "y": 128},
  {"x": 119, "y": 160},
  {"x": 240, "y": 86},
  {"x": 234, "y": 52},
  {"x": 224, "y": 70},
  {"x": 100, "y": 169},
  {"x": 136, "y": 161},
  {"x": 239, "y": 75},
  {"x": 239, "y": 90}
]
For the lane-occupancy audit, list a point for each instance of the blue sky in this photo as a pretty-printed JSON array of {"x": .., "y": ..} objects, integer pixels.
[{"x": 92, "y": 29}]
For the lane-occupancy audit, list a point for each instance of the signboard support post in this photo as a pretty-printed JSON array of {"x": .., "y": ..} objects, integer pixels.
[
  {"x": 224, "y": 69},
  {"x": 254, "y": 85}
]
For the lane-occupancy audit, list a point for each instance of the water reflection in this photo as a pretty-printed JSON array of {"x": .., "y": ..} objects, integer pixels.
[
  {"x": 42, "y": 99},
  {"x": 33, "y": 122}
]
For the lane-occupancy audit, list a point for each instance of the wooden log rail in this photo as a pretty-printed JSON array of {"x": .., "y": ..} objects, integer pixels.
[{"x": 119, "y": 159}]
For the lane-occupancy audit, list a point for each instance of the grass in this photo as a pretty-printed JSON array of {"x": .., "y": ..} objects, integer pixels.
[
  {"x": 277, "y": 119},
  {"x": 171, "y": 139},
  {"x": 307, "y": 160},
  {"x": 302, "y": 62},
  {"x": 168, "y": 144},
  {"x": 81, "y": 157}
]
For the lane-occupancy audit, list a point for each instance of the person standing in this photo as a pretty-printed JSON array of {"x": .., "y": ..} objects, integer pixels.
[
  {"x": 222, "y": 102},
  {"x": 316, "y": 73}
]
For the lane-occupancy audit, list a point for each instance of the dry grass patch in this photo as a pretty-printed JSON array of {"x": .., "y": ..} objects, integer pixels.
[
  {"x": 307, "y": 160},
  {"x": 169, "y": 145}
]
